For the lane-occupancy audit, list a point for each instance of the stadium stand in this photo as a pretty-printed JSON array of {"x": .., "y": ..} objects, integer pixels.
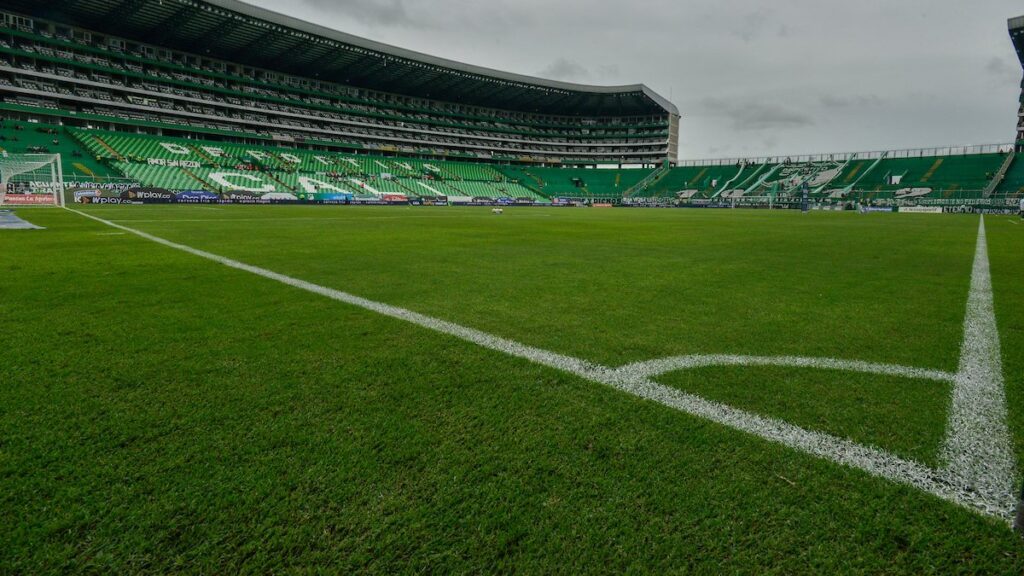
[
  {"x": 696, "y": 180},
  {"x": 926, "y": 173},
  {"x": 218, "y": 67},
  {"x": 577, "y": 183},
  {"x": 178, "y": 163},
  {"x": 186, "y": 164},
  {"x": 213, "y": 95}
]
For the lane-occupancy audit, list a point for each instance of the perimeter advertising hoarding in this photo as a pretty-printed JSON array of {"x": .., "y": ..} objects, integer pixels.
[
  {"x": 379, "y": 202},
  {"x": 240, "y": 197},
  {"x": 456, "y": 201},
  {"x": 143, "y": 195},
  {"x": 196, "y": 197},
  {"x": 921, "y": 209},
  {"x": 28, "y": 199},
  {"x": 120, "y": 195}
]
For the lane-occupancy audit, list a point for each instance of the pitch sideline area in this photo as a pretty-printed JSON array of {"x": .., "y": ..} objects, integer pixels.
[{"x": 979, "y": 463}]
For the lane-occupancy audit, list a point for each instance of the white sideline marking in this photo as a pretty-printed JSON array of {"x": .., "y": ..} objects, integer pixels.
[
  {"x": 947, "y": 484},
  {"x": 273, "y": 220},
  {"x": 978, "y": 450},
  {"x": 267, "y": 220}
]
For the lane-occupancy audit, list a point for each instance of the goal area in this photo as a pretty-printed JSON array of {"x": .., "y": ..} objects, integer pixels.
[{"x": 31, "y": 180}]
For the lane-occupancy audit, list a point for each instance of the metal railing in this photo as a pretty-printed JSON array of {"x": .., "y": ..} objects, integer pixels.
[
  {"x": 966, "y": 150},
  {"x": 655, "y": 174},
  {"x": 1003, "y": 202}
]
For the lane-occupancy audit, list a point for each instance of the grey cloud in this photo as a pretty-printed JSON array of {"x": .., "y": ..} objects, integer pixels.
[
  {"x": 1003, "y": 70},
  {"x": 373, "y": 12},
  {"x": 448, "y": 18},
  {"x": 854, "y": 101},
  {"x": 997, "y": 65},
  {"x": 570, "y": 70},
  {"x": 749, "y": 116},
  {"x": 751, "y": 25},
  {"x": 563, "y": 69}
]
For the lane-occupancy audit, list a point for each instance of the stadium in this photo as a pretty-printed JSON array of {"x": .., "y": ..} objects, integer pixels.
[{"x": 279, "y": 298}]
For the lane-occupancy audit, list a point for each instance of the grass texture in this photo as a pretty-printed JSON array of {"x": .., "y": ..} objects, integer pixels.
[{"x": 160, "y": 413}]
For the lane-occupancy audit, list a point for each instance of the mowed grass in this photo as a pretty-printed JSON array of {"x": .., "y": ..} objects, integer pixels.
[
  {"x": 615, "y": 289},
  {"x": 161, "y": 413},
  {"x": 905, "y": 416}
]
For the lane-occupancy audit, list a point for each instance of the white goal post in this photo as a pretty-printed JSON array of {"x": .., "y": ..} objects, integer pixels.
[{"x": 31, "y": 180}]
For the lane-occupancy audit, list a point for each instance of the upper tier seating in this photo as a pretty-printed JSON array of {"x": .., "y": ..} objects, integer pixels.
[{"x": 152, "y": 85}]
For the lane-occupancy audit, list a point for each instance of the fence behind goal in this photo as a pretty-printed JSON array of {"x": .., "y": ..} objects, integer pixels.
[{"x": 31, "y": 180}]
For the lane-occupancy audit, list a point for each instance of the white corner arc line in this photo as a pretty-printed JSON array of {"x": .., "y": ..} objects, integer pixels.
[
  {"x": 940, "y": 483},
  {"x": 652, "y": 368}
]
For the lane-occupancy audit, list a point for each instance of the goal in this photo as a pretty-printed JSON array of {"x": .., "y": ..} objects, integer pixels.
[{"x": 31, "y": 180}]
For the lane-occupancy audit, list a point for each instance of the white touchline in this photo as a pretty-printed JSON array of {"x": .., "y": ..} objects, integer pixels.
[
  {"x": 978, "y": 451},
  {"x": 976, "y": 491}
]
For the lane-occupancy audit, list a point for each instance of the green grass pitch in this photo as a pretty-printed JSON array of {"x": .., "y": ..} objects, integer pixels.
[{"x": 162, "y": 413}]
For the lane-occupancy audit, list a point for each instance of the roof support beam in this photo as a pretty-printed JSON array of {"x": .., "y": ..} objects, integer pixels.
[
  {"x": 246, "y": 48},
  {"x": 172, "y": 24},
  {"x": 369, "y": 71},
  {"x": 284, "y": 53},
  {"x": 321, "y": 61},
  {"x": 219, "y": 31},
  {"x": 126, "y": 7},
  {"x": 436, "y": 85}
]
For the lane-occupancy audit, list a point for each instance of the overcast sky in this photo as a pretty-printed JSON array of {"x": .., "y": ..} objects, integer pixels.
[{"x": 749, "y": 77}]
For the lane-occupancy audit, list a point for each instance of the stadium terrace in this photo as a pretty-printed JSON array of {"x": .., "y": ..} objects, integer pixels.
[{"x": 117, "y": 93}]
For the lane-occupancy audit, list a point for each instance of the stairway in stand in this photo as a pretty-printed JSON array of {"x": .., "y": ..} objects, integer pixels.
[
  {"x": 931, "y": 171},
  {"x": 108, "y": 147}
]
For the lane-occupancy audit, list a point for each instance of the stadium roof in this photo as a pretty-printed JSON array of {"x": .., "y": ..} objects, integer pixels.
[
  {"x": 1017, "y": 34},
  {"x": 246, "y": 34}
]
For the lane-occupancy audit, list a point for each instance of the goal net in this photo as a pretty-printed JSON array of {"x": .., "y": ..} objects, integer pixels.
[{"x": 31, "y": 180}]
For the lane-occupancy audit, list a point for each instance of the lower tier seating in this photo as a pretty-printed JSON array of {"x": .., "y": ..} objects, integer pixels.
[
  {"x": 35, "y": 138},
  {"x": 185, "y": 164},
  {"x": 577, "y": 182}
]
